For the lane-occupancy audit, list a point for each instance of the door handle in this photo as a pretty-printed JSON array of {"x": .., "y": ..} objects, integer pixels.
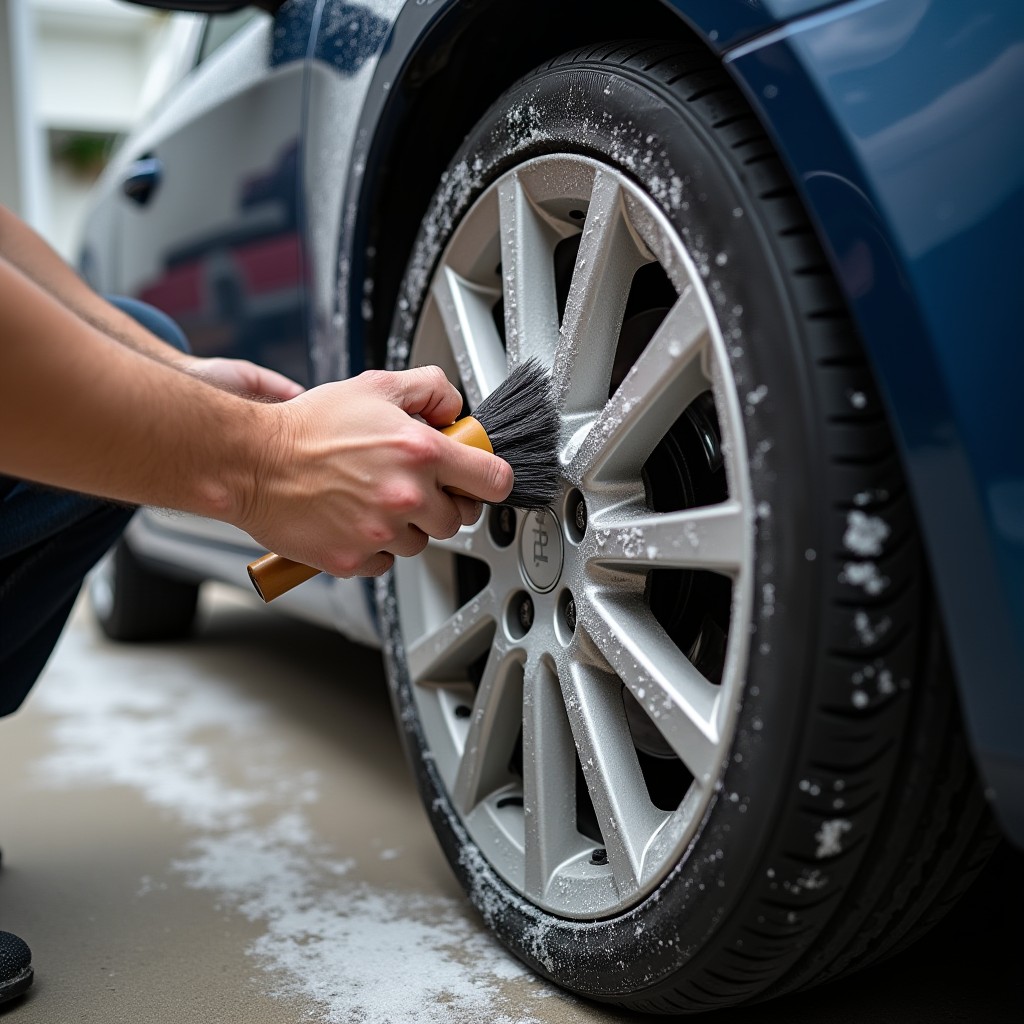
[{"x": 142, "y": 179}]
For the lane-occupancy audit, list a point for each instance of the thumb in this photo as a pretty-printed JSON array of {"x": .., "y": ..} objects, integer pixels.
[{"x": 425, "y": 391}]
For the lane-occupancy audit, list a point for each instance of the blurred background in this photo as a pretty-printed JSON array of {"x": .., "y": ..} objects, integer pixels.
[{"x": 75, "y": 75}]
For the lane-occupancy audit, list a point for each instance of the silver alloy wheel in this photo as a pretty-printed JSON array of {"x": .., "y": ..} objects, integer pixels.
[{"x": 553, "y": 666}]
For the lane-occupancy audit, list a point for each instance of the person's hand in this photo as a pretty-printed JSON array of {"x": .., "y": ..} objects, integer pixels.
[
  {"x": 351, "y": 478},
  {"x": 243, "y": 377}
]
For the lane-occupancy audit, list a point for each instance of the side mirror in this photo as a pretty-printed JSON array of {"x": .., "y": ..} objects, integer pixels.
[{"x": 208, "y": 6}]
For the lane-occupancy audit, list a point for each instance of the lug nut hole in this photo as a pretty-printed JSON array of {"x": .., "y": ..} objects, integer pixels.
[
  {"x": 565, "y": 617},
  {"x": 519, "y": 618},
  {"x": 501, "y": 523},
  {"x": 575, "y": 516}
]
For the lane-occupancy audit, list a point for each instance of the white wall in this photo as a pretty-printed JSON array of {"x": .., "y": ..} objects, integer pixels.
[
  {"x": 81, "y": 66},
  {"x": 22, "y": 185}
]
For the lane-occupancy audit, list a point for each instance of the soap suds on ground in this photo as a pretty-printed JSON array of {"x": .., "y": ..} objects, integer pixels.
[{"x": 184, "y": 743}]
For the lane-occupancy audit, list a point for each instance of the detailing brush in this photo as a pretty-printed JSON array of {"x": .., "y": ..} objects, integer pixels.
[{"x": 516, "y": 421}]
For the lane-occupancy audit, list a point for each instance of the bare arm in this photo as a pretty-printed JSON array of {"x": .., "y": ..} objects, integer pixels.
[
  {"x": 342, "y": 477},
  {"x": 35, "y": 258},
  {"x": 81, "y": 411}
]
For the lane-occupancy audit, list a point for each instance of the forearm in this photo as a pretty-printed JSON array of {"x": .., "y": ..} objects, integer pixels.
[
  {"x": 80, "y": 411},
  {"x": 27, "y": 251},
  {"x": 342, "y": 477}
]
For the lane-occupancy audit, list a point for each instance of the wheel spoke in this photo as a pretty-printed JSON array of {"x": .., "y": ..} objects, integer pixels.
[
  {"x": 607, "y": 260},
  {"x": 465, "y": 309},
  {"x": 681, "y": 703},
  {"x": 549, "y": 771},
  {"x": 663, "y": 381},
  {"x": 627, "y": 817},
  {"x": 493, "y": 729},
  {"x": 712, "y": 537},
  {"x": 527, "y": 249},
  {"x": 443, "y": 653}
]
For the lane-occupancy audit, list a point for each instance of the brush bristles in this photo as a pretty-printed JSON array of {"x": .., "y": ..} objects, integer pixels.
[{"x": 521, "y": 421}]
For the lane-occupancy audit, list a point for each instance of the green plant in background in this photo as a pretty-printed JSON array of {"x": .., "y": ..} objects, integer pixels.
[{"x": 83, "y": 153}]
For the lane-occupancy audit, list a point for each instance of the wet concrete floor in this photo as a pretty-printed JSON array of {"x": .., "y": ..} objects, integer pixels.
[{"x": 225, "y": 830}]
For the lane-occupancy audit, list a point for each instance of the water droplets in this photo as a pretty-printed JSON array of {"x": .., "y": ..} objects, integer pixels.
[
  {"x": 865, "y": 575},
  {"x": 865, "y": 535},
  {"x": 809, "y": 880},
  {"x": 830, "y": 837},
  {"x": 870, "y": 632},
  {"x": 632, "y": 540}
]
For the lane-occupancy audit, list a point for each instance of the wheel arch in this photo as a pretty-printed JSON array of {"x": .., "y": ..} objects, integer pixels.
[{"x": 419, "y": 110}]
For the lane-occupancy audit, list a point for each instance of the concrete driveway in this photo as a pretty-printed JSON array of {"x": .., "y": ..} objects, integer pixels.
[{"x": 225, "y": 831}]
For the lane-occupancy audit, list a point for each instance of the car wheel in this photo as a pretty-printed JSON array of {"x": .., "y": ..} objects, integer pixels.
[
  {"x": 687, "y": 737},
  {"x": 135, "y": 603}
]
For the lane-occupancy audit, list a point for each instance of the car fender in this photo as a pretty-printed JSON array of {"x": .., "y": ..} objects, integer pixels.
[{"x": 901, "y": 123}]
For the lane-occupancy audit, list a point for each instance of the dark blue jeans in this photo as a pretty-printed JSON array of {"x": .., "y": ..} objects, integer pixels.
[{"x": 49, "y": 540}]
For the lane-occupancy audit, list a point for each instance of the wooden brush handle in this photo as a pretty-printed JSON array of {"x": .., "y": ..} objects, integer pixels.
[
  {"x": 468, "y": 431},
  {"x": 273, "y": 575}
]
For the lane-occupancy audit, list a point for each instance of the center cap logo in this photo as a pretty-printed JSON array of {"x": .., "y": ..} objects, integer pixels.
[{"x": 540, "y": 550}]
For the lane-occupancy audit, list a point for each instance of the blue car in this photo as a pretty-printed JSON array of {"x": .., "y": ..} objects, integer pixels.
[{"x": 742, "y": 710}]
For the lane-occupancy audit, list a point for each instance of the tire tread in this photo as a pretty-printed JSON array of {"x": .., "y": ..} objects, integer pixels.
[{"x": 885, "y": 902}]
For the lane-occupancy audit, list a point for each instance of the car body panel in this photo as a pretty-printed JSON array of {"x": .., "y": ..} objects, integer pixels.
[
  {"x": 917, "y": 185},
  {"x": 221, "y": 245},
  {"x": 914, "y": 181},
  {"x": 348, "y": 39},
  {"x": 725, "y": 23},
  {"x": 229, "y": 264}
]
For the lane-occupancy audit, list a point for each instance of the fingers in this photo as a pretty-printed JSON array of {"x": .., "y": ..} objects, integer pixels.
[
  {"x": 469, "y": 509},
  {"x": 409, "y": 542},
  {"x": 422, "y": 391},
  {"x": 246, "y": 378},
  {"x": 442, "y": 520},
  {"x": 376, "y": 565},
  {"x": 271, "y": 384},
  {"x": 475, "y": 472},
  {"x": 373, "y": 565}
]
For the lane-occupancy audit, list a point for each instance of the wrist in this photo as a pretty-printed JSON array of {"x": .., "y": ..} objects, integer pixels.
[{"x": 250, "y": 468}]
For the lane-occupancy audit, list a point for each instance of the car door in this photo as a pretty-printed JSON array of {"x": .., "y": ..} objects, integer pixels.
[
  {"x": 209, "y": 223},
  {"x": 207, "y": 212}
]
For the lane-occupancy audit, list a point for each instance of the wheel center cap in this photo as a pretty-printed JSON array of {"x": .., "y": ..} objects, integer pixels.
[{"x": 540, "y": 550}]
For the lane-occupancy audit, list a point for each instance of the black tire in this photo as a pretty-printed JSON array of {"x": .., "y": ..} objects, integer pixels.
[
  {"x": 849, "y": 728},
  {"x": 134, "y": 603}
]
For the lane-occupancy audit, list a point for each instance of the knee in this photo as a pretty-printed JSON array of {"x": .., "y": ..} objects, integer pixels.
[{"x": 153, "y": 319}]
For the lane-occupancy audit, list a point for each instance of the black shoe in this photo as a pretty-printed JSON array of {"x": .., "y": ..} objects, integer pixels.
[{"x": 15, "y": 966}]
